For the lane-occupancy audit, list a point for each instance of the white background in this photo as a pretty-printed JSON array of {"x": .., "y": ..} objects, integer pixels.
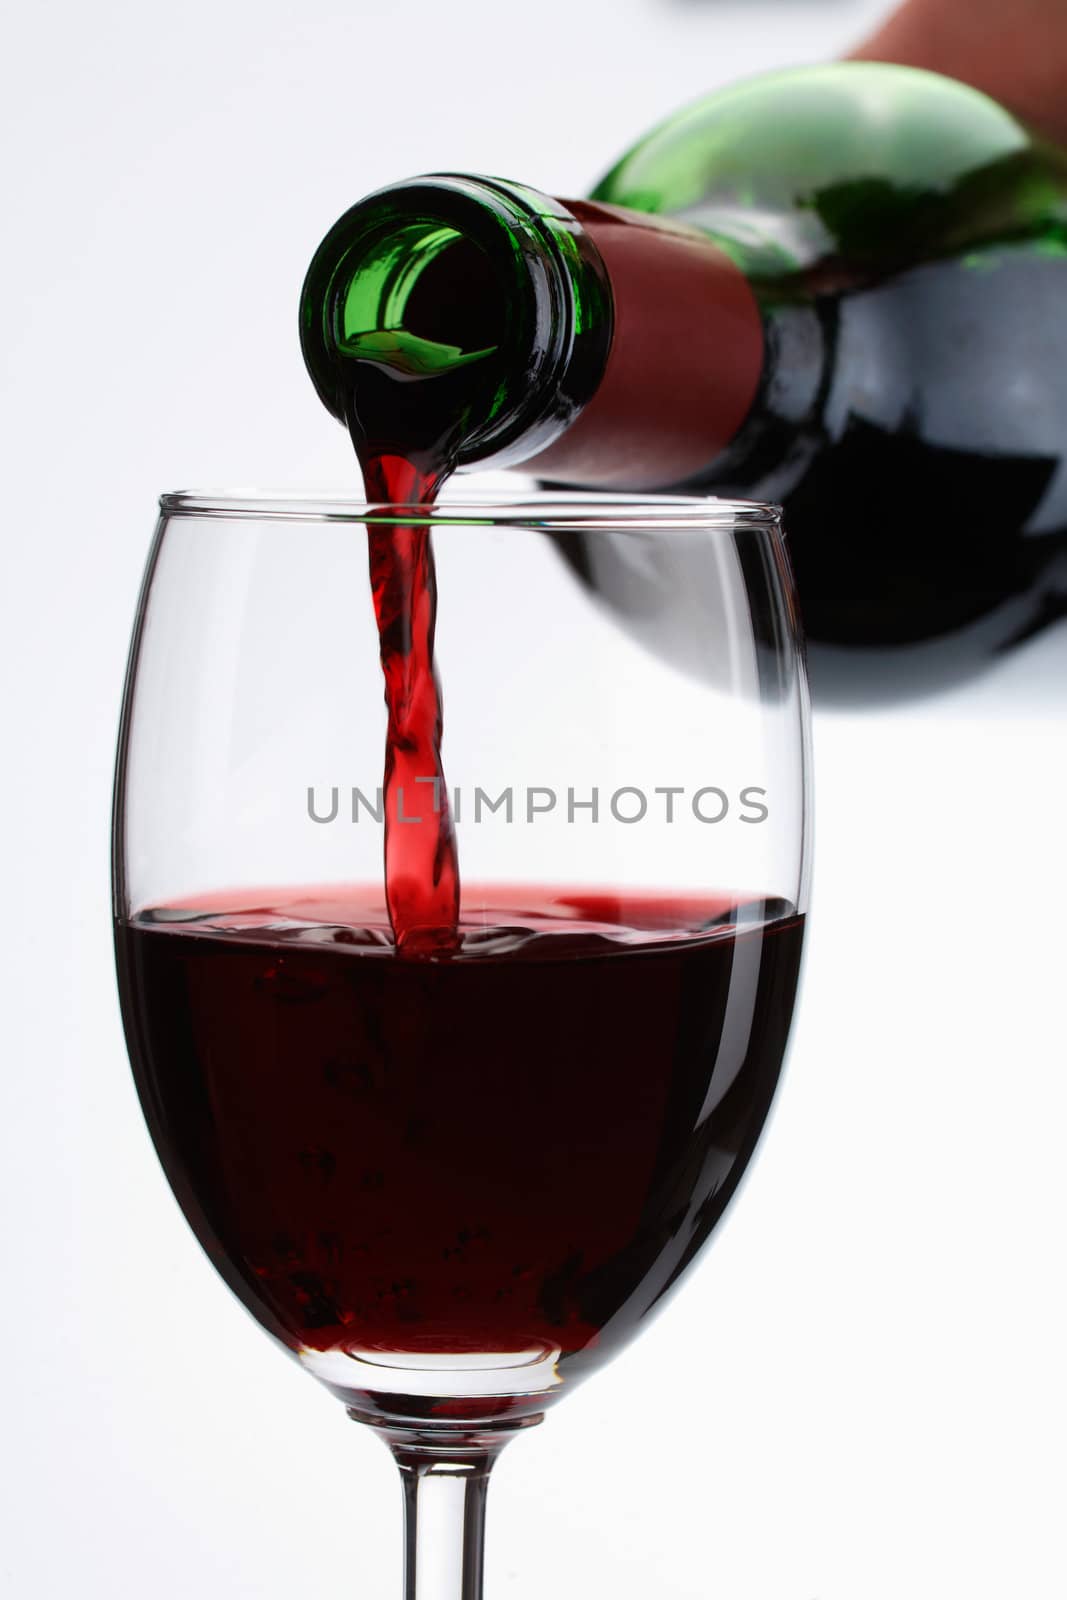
[{"x": 860, "y": 1393}]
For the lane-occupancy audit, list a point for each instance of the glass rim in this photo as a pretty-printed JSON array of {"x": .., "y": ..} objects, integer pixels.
[{"x": 552, "y": 509}]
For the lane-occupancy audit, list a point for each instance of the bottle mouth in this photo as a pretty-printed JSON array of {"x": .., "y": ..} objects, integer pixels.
[
  {"x": 490, "y": 296},
  {"x": 425, "y": 299}
]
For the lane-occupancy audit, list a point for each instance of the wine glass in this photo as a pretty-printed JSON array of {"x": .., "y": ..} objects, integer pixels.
[{"x": 453, "y": 1179}]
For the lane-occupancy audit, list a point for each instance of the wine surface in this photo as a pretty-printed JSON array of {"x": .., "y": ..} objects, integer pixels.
[{"x": 512, "y": 1149}]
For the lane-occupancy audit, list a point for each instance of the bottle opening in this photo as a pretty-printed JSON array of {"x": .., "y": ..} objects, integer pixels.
[{"x": 423, "y": 300}]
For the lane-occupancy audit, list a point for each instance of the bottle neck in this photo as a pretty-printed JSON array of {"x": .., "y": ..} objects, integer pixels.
[
  {"x": 685, "y": 361},
  {"x": 456, "y": 321}
]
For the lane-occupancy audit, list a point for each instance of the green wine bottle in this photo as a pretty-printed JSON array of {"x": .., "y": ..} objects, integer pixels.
[{"x": 840, "y": 287}]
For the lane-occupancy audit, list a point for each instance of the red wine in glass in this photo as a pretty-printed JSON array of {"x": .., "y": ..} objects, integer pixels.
[{"x": 505, "y": 1156}]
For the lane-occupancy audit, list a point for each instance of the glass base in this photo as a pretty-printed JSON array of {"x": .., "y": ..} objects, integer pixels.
[{"x": 441, "y": 1393}]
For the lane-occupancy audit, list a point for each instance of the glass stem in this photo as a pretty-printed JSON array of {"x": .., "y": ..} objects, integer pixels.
[{"x": 444, "y": 1523}]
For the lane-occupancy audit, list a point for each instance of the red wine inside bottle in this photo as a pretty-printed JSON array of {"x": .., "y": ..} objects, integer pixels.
[
  {"x": 338, "y": 1130},
  {"x": 840, "y": 288},
  {"x": 905, "y": 239}
]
